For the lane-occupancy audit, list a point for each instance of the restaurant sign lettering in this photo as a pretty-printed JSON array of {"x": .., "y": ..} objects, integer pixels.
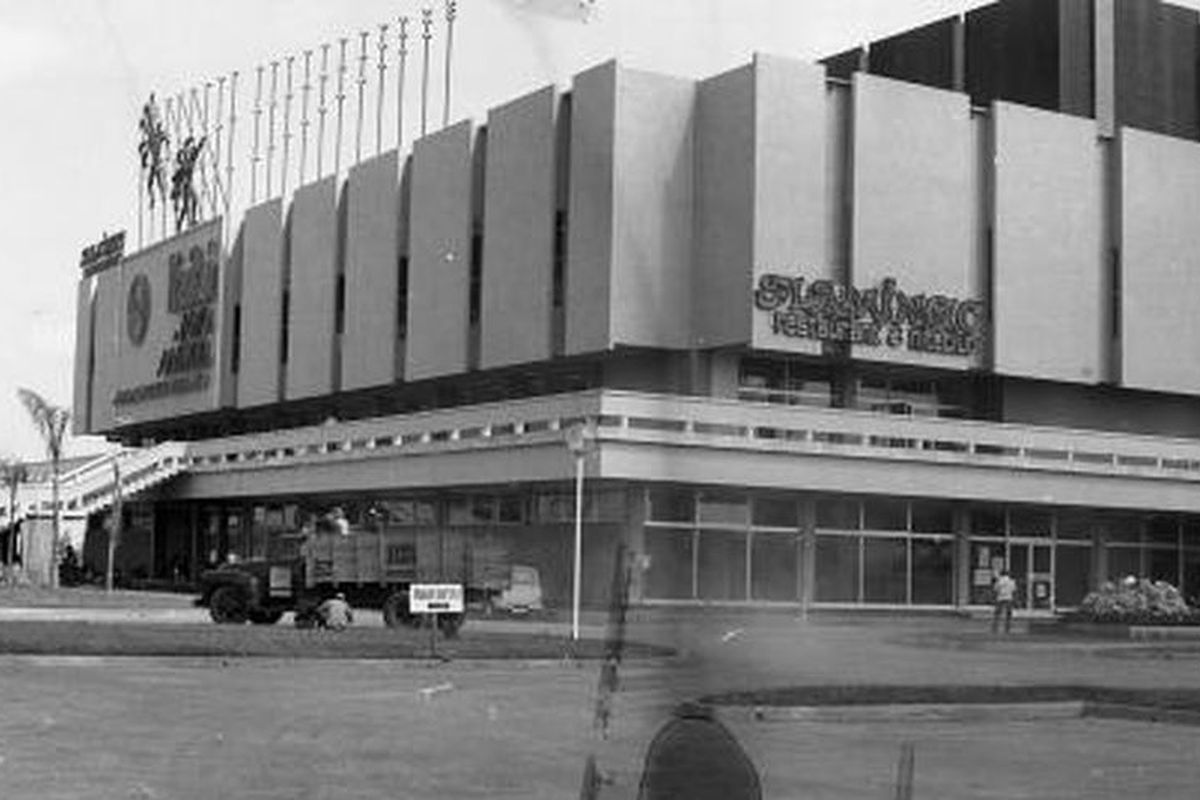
[{"x": 880, "y": 316}]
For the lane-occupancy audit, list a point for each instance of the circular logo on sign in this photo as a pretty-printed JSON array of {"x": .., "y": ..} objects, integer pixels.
[{"x": 137, "y": 309}]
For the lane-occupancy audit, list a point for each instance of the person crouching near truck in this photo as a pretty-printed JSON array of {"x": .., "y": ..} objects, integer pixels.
[{"x": 335, "y": 613}]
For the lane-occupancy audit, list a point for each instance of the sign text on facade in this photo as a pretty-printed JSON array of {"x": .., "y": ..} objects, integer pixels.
[{"x": 882, "y": 316}]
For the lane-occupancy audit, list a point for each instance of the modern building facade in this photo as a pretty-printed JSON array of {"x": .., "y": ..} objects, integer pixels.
[{"x": 855, "y": 333}]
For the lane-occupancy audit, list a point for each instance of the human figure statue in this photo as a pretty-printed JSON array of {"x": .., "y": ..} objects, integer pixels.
[
  {"x": 183, "y": 190},
  {"x": 153, "y": 150}
]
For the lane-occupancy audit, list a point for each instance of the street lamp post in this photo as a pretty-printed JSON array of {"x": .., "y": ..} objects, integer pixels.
[
  {"x": 581, "y": 439},
  {"x": 118, "y": 518}
]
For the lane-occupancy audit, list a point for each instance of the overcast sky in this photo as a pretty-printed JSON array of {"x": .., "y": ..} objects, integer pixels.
[{"x": 74, "y": 73}]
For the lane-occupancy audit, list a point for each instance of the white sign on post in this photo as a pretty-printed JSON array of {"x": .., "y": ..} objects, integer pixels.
[{"x": 435, "y": 598}]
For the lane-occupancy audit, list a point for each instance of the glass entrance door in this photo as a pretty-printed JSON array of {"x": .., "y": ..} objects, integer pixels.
[{"x": 1032, "y": 566}]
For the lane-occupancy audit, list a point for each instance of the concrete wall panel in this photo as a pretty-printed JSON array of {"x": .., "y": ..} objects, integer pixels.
[
  {"x": 590, "y": 210},
  {"x": 107, "y": 375},
  {"x": 915, "y": 212},
  {"x": 1160, "y": 273},
  {"x": 1048, "y": 303},
  {"x": 259, "y": 374},
  {"x": 518, "y": 234},
  {"x": 81, "y": 401},
  {"x": 725, "y": 167},
  {"x": 439, "y": 254},
  {"x": 793, "y": 191},
  {"x": 368, "y": 354},
  {"x": 312, "y": 290},
  {"x": 230, "y": 320},
  {"x": 650, "y": 302}
]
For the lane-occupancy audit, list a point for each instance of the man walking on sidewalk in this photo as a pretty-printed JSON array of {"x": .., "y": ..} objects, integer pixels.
[{"x": 1005, "y": 588}]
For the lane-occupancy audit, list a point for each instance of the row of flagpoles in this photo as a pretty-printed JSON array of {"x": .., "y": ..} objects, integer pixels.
[{"x": 289, "y": 98}]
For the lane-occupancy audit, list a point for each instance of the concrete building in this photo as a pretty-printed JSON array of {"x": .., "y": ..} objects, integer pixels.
[{"x": 854, "y": 333}]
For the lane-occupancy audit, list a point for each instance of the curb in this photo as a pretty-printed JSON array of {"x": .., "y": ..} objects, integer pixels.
[
  {"x": 423, "y": 663},
  {"x": 910, "y": 712}
]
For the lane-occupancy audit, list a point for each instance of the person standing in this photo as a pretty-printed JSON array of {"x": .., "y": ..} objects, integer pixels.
[{"x": 1004, "y": 589}]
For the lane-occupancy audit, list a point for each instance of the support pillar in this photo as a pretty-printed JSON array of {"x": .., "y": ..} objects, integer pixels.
[
  {"x": 962, "y": 556},
  {"x": 808, "y": 552},
  {"x": 1099, "y": 556},
  {"x": 635, "y": 539}
]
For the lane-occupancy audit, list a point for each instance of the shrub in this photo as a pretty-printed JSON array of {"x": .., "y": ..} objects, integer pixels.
[{"x": 1134, "y": 601}]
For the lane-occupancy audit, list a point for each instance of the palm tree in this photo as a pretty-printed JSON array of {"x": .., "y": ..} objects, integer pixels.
[
  {"x": 51, "y": 422},
  {"x": 13, "y": 472}
]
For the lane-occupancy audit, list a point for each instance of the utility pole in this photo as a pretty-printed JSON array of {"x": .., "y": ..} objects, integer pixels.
[{"x": 114, "y": 535}]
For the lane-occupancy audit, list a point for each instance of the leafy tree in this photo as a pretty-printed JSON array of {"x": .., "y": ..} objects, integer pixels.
[
  {"x": 51, "y": 422},
  {"x": 13, "y": 472}
]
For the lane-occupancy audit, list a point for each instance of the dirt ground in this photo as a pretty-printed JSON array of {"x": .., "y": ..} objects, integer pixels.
[{"x": 262, "y": 728}]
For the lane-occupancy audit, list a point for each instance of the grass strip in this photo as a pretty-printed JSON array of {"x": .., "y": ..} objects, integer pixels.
[
  {"x": 140, "y": 639},
  {"x": 837, "y": 695}
]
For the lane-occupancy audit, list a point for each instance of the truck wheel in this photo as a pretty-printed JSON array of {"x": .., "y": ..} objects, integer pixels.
[
  {"x": 395, "y": 611},
  {"x": 449, "y": 624},
  {"x": 226, "y": 606},
  {"x": 265, "y": 616}
]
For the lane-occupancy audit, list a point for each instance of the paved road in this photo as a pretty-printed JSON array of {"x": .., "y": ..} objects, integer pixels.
[{"x": 212, "y": 728}]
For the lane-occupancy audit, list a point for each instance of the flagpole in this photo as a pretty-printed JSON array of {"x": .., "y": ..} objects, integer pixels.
[
  {"x": 257, "y": 126},
  {"x": 271, "y": 106},
  {"x": 451, "y": 13},
  {"x": 287, "y": 126},
  {"x": 426, "y": 34},
  {"x": 305, "y": 94},
  {"x": 379, "y": 97},
  {"x": 402, "y": 59},
  {"x": 322, "y": 110},
  {"x": 229, "y": 152},
  {"x": 362, "y": 86},
  {"x": 341, "y": 101}
]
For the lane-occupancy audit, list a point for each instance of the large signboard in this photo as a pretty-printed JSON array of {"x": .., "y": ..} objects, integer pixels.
[
  {"x": 882, "y": 316},
  {"x": 166, "y": 331}
]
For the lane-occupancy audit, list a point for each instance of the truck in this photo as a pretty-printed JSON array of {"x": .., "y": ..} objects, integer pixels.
[{"x": 372, "y": 568}]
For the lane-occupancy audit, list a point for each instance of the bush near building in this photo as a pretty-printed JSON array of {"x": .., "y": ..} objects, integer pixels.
[{"x": 1135, "y": 601}]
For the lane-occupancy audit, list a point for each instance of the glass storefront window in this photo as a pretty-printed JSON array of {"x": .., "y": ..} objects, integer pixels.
[
  {"x": 1162, "y": 529},
  {"x": 1077, "y": 524},
  {"x": 1072, "y": 575},
  {"x": 775, "y": 512},
  {"x": 932, "y": 572},
  {"x": 1191, "y": 531},
  {"x": 721, "y": 566},
  {"x": 726, "y": 508},
  {"x": 669, "y": 573},
  {"x": 1031, "y": 522},
  {"x": 885, "y": 570},
  {"x": 471, "y": 510},
  {"x": 511, "y": 508},
  {"x": 773, "y": 566},
  {"x": 881, "y": 514},
  {"x": 1123, "y": 528},
  {"x": 987, "y": 559},
  {"x": 672, "y": 505},
  {"x": 838, "y": 514},
  {"x": 837, "y": 569},
  {"x": 932, "y": 517},
  {"x": 1191, "y": 577},
  {"x": 987, "y": 521},
  {"x": 1162, "y": 564},
  {"x": 1124, "y": 561}
]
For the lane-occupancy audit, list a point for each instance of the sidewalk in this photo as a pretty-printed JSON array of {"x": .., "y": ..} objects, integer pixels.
[{"x": 367, "y": 618}]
